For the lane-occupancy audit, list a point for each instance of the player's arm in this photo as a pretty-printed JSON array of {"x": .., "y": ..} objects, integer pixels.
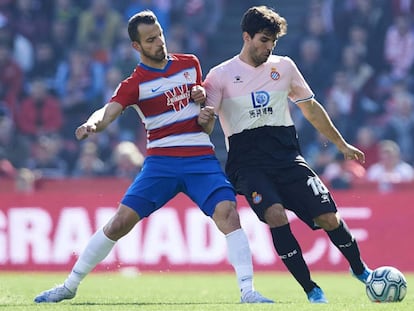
[
  {"x": 99, "y": 120},
  {"x": 319, "y": 118},
  {"x": 206, "y": 119}
]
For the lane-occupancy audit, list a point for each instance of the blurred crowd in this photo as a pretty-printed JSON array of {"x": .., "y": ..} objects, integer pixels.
[
  {"x": 358, "y": 57},
  {"x": 62, "y": 59}
]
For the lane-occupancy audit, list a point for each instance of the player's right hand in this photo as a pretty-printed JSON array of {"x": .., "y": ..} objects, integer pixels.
[{"x": 84, "y": 131}]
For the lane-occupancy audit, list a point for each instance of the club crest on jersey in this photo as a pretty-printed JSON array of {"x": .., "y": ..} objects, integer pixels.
[
  {"x": 256, "y": 197},
  {"x": 178, "y": 97},
  {"x": 187, "y": 76},
  {"x": 274, "y": 74},
  {"x": 260, "y": 99}
]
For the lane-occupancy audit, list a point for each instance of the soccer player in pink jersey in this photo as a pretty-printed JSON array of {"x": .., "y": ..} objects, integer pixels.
[
  {"x": 165, "y": 91},
  {"x": 250, "y": 94}
]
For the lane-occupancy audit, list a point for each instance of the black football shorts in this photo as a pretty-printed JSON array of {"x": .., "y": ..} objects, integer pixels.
[{"x": 297, "y": 188}]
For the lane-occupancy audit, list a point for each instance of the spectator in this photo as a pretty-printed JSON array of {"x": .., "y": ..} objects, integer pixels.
[
  {"x": 399, "y": 47},
  {"x": 40, "y": 112},
  {"x": 390, "y": 169},
  {"x": 11, "y": 77},
  {"x": 13, "y": 151},
  {"x": 366, "y": 140},
  {"x": 315, "y": 28},
  {"x": 22, "y": 49},
  {"x": 45, "y": 64},
  {"x": 79, "y": 85},
  {"x": 400, "y": 7},
  {"x": 359, "y": 73},
  {"x": 201, "y": 19},
  {"x": 313, "y": 67},
  {"x": 46, "y": 162},
  {"x": 25, "y": 181},
  {"x": 30, "y": 19},
  {"x": 127, "y": 160},
  {"x": 358, "y": 40},
  {"x": 62, "y": 36},
  {"x": 100, "y": 23},
  {"x": 341, "y": 104},
  {"x": 89, "y": 164},
  {"x": 67, "y": 11},
  {"x": 399, "y": 126},
  {"x": 370, "y": 14}
]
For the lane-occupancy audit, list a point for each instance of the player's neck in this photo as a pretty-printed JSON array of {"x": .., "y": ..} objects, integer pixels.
[
  {"x": 244, "y": 57},
  {"x": 154, "y": 64}
]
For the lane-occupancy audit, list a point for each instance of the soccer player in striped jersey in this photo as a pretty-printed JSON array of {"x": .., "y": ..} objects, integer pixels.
[
  {"x": 250, "y": 94},
  {"x": 165, "y": 91}
]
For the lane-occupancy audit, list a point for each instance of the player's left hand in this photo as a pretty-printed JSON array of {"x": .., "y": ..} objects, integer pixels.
[
  {"x": 198, "y": 94},
  {"x": 206, "y": 115},
  {"x": 352, "y": 153}
]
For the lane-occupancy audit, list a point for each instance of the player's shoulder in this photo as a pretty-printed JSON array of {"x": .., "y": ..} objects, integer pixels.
[
  {"x": 183, "y": 57},
  {"x": 225, "y": 64},
  {"x": 280, "y": 59}
]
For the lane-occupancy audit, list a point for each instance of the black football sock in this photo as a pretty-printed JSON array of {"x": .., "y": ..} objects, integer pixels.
[
  {"x": 290, "y": 252},
  {"x": 347, "y": 245}
]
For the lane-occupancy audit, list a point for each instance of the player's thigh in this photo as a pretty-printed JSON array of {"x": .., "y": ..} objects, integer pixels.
[
  {"x": 209, "y": 189},
  {"x": 151, "y": 189},
  {"x": 306, "y": 195},
  {"x": 259, "y": 189}
]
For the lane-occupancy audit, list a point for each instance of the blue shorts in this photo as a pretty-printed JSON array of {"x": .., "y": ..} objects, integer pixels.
[{"x": 201, "y": 178}]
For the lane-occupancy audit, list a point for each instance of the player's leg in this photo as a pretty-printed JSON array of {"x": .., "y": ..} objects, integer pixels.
[
  {"x": 225, "y": 215},
  {"x": 261, "y": 193},
  {"x": 342, "y": 238},
  {"x": 216, "y": 198},
  {"x": 133, "y": 207},
  {"x": 316, "y": 207},
  {"x": 98, "y": 247}
]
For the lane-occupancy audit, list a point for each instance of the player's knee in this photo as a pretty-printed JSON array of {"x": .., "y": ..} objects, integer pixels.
[
  {"x": 121, "y": 223},
  {"x": 275, "y": 216},
  {"x": 226, "y": 217},
  {"x": 328, "y": 221}
]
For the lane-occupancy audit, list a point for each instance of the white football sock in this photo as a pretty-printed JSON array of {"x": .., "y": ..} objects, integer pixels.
[
  {"x": 97, "y": 249},
  {"x": 240, "y": 257}
]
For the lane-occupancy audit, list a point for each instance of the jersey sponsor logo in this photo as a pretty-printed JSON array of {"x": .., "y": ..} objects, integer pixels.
[
  {"x": 155, "y": 89},
  {"x": 256, "y": 197},
  {"x": 274, "y": 74},
  {"x": 260, "y": 99},
  {"x": 178, "y": 97}
]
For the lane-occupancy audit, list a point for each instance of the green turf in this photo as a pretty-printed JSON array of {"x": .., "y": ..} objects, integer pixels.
[{"x": 174, "y": 291}]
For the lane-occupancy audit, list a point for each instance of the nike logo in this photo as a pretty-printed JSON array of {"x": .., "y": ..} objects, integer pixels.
[{"x": 156, "y": 89}]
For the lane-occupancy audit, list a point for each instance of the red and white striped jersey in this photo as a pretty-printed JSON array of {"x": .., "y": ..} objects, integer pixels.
[{"x": 162, "y": 99}]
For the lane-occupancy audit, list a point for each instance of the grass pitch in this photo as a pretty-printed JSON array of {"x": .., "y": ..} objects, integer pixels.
[{"x": 189, "y": 291}]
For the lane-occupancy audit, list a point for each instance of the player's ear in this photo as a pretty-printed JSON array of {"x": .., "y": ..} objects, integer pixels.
[
  {"x": 136, "y": 46},
  {"x": 246, "y": 36}
]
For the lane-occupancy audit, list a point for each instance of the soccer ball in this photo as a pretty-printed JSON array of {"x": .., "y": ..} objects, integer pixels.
[{"x": 386, "y": 284}]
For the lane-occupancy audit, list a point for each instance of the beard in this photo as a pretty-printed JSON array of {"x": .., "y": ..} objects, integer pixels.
[
  {"x": 157, "y": 57},
  {"x": 257, "y": 58}
]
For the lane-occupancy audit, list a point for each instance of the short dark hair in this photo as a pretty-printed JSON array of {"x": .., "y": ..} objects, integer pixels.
[
  {"x": 144, "y": 17},
  {"x": 263, "y": 19}
]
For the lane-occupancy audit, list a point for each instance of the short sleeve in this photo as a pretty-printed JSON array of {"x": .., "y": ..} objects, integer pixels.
[
  {"x": 299, "y": 88},
  {"x": 213, "y": 87}
]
